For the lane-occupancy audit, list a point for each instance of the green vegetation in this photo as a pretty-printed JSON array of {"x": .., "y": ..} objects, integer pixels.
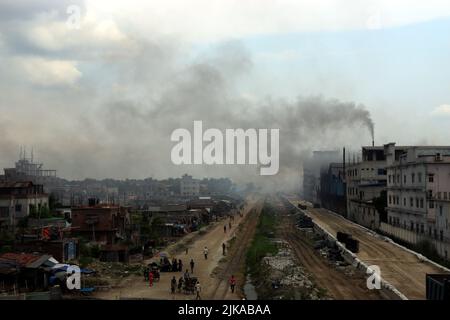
[
  {"x": 262, "y": 245},
  {"x": 41, "y": 212}
]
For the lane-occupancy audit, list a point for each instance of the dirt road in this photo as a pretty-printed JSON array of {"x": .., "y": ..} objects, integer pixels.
[
  {"x": 235, "y": 264},
  {"x": 339, "y": 286},
  {"x": 398, "y": 266},
  {"x": 134, "y": 287}
]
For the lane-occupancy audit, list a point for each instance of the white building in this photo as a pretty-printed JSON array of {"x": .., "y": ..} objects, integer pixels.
[
  {"x": 419, "y": 191},
  {"x": 189, "y": 187}
]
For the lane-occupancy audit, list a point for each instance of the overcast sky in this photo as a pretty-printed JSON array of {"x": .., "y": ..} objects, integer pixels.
[{"x": 100, "y": 101}]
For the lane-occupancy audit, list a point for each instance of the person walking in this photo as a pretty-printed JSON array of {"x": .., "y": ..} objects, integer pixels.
[
  {"x": 198, "y": 289},
  {"x": 225, "y": 229},
  {"x": 205, "y": 252},
  {"x": 232, "y": 283},
  {"x": 173, "y": 285},
  {"x": 174, "y": 265},
  {"x": 146, "y": 272},
  {"x": 192, "y": 266},
  {"x": 150, "y": 277},
  {"x": 180, "y": 265},
  {"x": 186, "y": 275},
  {"x": 223, "y": 248},
  {"x": 180, "y": 284}
]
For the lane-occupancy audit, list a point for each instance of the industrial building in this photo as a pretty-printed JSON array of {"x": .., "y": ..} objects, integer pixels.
[
  {"x": 418, "y": 193},
  {"x": 311, "y": 173}
]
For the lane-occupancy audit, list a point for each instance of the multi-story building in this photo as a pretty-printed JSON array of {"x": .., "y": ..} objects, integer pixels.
[
  {"x": 311, "y": 173},
  {"x": 26, "y": 169},
  {"x": 366, "y": 182},
  {"x": 19, "y": 199},
  {"x": 106, "y": 224},
  {"x": 419, "y": 191},
  {"x": 189, "y": 187},
  {"x": 332, "y": 188}
]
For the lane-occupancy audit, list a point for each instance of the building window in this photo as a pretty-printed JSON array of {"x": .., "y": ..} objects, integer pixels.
[
  {"x": 4, "y": 212},
  {"x": 412, "y": 178},
  {"x": 18, "y": 208},
  {"x": 421, "y": 203},
  {"x": 440, "y": 211},
  {"x": 404, "y": 179},
  {"x": 431, "y": 205},
  {"x": 445, "y": 195},
  {"x": 404, "y": 202},
  {"x": 411, "y": 202},
  {"x": 422, "y": 229},
  {"x": 441, "y": 235},
  {"x": 419, "y": 177},
  {"x": 430, "y": 178},
  {"x": 417, "y": 202},
  {"x": 390, "y": 199},
  {"x": 389, "y": 179},
  {"x": 439, "y": 195}
]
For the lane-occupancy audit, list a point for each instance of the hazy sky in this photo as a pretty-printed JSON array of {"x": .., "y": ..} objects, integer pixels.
[{"x": 101, "y": 100}]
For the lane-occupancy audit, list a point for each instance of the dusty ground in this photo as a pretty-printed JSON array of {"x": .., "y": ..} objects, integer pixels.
[
  {"x": 398, "y": 266},
  {"x": 234, "y": 264},
  {"x": 337, "y": 284},
  {"x": 135, "y": 287}
]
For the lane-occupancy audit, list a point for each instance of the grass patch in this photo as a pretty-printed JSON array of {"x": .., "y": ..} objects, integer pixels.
[{"x": 262, "y": 244}]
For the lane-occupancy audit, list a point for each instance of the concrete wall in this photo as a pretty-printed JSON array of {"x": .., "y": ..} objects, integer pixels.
[{"x": 443, "y": 248}]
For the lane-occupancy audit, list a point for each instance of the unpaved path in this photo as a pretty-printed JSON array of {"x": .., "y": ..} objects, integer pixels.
[
  {"x": 135, "y": 287},
  {"x": 235, "y": 262},
  {"x": 398, "y": 266},
  {"x": 338, "y": 285}
]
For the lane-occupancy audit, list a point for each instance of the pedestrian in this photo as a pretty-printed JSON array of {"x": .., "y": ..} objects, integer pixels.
[
  {"x": 180, "y": 265},
  {"x": 180, "y": 284},
  {"x": 150, "y": 277},
  {"x": 173, "y": 285},
  {"x": 198, "y": 289},
  {"x": 223, "y": 248},
  {"x": 192, "y": 266},
  {"x": 174, "y": 264},
  {"x": 146, "y": 271},
  {"x": 225, "y": 229},
  {"x": 232, "y": 283},
  {"x": 205, "y": 252},
  {"x": 186, "y": 275}
]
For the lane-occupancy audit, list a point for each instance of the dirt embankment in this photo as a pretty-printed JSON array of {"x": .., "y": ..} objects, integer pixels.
[{"x": 401, "y": 268}]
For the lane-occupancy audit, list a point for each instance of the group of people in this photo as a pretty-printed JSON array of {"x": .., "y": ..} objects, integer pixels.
[{"x": 177, "y": 266}]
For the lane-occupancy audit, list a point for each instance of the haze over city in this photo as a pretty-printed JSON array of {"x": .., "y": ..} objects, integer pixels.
[{"x": 101, "y": 100}]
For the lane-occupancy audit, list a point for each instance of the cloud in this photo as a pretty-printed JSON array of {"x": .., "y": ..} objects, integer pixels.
[
  {"x": 441, "y": 111},
  {"x": 215, "y": 20},
  {"x": 49, "y": 72}
]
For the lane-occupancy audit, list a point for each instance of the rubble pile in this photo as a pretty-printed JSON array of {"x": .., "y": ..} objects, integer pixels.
[{"x": 289, "y": 278}]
